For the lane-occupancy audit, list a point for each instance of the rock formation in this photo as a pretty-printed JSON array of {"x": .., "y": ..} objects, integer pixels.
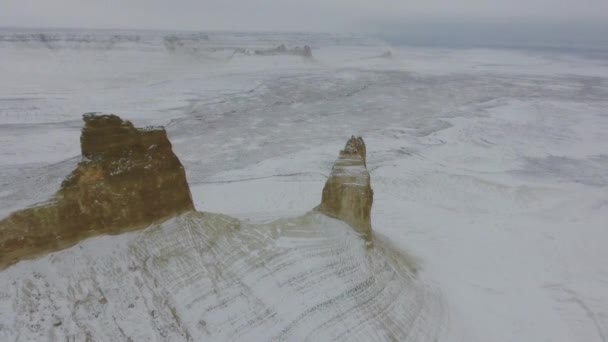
[
  {"x": 387, "y": 54},
  {"x": 202, "y": 276},
  {"x": 307, "y": 51},
  {"x": 347, "y": 194},
  {"x": 127, "y": 178},
  {"x": 190, "y": 43},
  {"x": 304, "y": 51}
]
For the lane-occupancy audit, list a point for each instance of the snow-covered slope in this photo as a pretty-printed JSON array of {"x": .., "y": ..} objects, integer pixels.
[{"x": 208, "y": 277}]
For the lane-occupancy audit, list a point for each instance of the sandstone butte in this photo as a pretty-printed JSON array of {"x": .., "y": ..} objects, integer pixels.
[
  {"x": 130, "y": 178},
  {"x": 348, "y": 195}
]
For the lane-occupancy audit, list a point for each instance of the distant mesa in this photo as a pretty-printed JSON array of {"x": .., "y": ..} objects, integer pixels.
[
  {"x": 185, "y": 43},
  {"x": 304, "y": 51},
  {"x": 387, "y": 54},
  {"x": 53, "y": 41},
  {"x": 128, "y": 178},
  {"x": 348, "y": 194}
]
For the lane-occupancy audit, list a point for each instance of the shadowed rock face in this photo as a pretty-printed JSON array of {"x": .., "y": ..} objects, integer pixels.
[
  {"x": 347, "y": 194},
  {"x": 128, "y": 178}
]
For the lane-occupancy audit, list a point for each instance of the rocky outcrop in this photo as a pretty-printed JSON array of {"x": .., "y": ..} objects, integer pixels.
[
  {"x": 190, "y": 43},
  {"x": 387, "y": 54},
  {"x": 304, "y": 51},
  {"x": 127, "y": 178},
  {"x": 347, "y": 194}
]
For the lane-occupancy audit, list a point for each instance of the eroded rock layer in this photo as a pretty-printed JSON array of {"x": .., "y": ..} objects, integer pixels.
[
  {"x": 209, "y": 277},
  {"x": 127, "y": 178},
  {"x": 348, "y": 194}
]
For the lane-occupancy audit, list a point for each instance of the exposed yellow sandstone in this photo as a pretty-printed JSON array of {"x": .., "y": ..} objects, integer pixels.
[
  {"x": 347, "y": 194},
  {"x": 128, "y": 178}
]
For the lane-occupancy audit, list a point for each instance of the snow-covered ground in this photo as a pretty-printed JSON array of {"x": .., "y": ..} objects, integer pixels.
[{"x": 489, "y": 167}]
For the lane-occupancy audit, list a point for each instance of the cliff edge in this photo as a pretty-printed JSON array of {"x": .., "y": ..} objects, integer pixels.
[
  {"x": 348, "y": 194},
  {"x": 127, "y": 178}
]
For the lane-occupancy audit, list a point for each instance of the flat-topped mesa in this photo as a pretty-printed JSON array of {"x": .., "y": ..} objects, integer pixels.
[
  {"x": 128, "y": 178},
  {"x": 304, "y": 51},
  {"x": 347, "y": 194}
]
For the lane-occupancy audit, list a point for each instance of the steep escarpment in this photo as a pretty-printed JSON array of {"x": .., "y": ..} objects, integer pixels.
[
  {"x": 127, "y": 178},
  {"x": 348, "y": 194}
]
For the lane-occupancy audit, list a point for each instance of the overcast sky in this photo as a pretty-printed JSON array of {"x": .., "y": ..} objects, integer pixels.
[{"x": 286, "y": 15}]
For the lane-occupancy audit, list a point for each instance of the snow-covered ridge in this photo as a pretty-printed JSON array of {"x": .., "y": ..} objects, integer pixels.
[{"x": 208, "y": 277}]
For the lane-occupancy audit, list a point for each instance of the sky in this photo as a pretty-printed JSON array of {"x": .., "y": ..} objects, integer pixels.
[{"x": 289, "y": 15}]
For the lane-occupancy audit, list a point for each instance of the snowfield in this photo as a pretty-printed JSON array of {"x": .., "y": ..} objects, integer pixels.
[{"x": 489, "y": 169}]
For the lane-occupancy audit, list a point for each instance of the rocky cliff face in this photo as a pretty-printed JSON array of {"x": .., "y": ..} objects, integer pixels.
[
  {"x": 128, "y": 178},
  {"x": 347, "y": 194}
]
